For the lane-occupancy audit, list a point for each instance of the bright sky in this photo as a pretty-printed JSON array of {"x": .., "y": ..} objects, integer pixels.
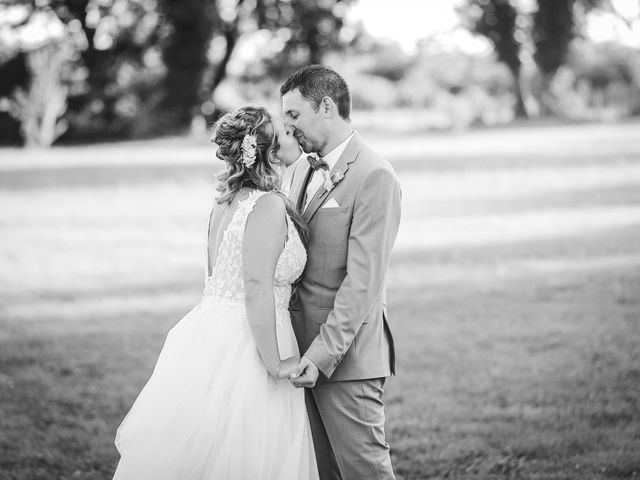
[{"x": 407, "y": 21}]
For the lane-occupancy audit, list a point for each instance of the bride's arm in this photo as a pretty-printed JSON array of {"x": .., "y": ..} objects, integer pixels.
[{"x": 263, "y": 242}]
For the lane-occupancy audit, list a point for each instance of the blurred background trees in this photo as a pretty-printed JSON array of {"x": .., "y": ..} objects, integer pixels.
[
  {"x": 134, "y": 68},
  {"x": 86, "y": 70},
  {"x": 497, "y": 20}
]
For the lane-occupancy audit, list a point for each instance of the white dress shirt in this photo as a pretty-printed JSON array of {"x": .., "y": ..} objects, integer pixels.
[{"x": 331, "y": 159}]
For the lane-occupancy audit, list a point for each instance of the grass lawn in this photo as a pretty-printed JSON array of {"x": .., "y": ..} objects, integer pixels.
[{"x": 514, "y": 296}]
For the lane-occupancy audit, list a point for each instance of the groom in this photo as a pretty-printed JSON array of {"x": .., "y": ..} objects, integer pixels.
[{"x": 350, "y": 197}]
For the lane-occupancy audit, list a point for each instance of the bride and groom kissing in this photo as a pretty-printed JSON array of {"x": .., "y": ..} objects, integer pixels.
[{"x": 278, "y": 372}]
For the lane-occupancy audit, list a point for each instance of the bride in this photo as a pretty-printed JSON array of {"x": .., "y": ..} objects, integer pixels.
[{"x": 218, "y": 404}]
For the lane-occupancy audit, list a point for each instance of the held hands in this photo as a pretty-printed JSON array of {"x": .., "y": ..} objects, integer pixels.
[
  {"x": 305, "y": 374},
  {"x": 288, "y": 367}
]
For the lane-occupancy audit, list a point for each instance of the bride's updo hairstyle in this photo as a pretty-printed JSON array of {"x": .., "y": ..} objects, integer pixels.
[
  {"x": 248, "y": 144},
  {"x": 229, "y": 134}
]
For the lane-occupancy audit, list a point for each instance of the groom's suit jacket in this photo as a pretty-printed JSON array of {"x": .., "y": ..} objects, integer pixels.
[{"x": 338, "y": 310}]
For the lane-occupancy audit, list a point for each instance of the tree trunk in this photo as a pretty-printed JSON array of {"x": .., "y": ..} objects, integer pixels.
[
  {"x": 315, "y": 52},
  {"x": 231, "y": 38},
  {"x": 185, "y": 56},
  {"x": 520, "y": 108},
  {"x": 212, "y": 81},
  {"x": 41, "y": 107}
]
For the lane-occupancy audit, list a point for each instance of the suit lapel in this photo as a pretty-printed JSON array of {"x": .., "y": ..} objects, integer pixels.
[{"x": 349, "y": 156}]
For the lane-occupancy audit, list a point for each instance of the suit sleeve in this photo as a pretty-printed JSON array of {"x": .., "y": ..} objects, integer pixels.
[{"x": 375, "y": 222}]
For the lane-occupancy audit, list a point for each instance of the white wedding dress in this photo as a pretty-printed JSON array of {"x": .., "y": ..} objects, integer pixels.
[{"x": 210, "y": 410}]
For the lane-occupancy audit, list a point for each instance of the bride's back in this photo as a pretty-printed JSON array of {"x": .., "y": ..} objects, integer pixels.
[
  {"x": 219, "y": 221},
  {"x": 231, "y": 252}
]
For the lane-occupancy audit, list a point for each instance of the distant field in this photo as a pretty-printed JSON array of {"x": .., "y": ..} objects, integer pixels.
[{"x": 514, "y": 297}]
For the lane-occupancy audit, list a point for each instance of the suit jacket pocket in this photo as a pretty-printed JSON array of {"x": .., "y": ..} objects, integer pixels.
[
  {"x": 332, "y": 225},
  {"x": 333, "y": 210}
]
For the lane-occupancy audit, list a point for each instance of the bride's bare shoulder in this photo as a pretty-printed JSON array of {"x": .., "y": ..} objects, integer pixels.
[
  {"x": 269, "y": 214},
  {"x": 266, "y": 227},
  {"x": 271, "y": 204}
]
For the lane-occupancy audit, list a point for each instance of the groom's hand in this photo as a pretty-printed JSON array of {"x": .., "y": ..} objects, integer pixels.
[{"x": 306, "y": 374}]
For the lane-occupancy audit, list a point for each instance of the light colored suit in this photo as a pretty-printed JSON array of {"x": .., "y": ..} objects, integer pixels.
[{"x": 339, "y": 310}]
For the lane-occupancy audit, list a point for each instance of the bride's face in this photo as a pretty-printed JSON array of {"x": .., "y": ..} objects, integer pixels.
[{"x": 288, "y": 148}]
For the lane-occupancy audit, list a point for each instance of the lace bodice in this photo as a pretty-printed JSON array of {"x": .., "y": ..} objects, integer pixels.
[{"x": 225, "y": 280}]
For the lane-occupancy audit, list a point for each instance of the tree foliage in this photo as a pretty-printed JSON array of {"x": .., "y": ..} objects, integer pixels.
[
  {"x": 497, "y": 21},
  {"x": 147, "y": 66},
  {"x": 304, "y": 32},
  {"x": 554, "y": 24}
]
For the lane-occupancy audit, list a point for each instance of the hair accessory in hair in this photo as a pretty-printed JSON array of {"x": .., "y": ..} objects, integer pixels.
[{"x": 249, "y": 150}]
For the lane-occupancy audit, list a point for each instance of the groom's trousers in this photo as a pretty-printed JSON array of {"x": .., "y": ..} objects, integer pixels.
[{"x": 347, "y": 422}]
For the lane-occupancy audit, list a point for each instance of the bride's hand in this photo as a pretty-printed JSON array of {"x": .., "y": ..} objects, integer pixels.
[{"x": 287, "y": 367}]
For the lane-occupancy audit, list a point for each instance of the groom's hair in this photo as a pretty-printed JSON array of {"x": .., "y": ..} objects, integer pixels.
[{"x": 318, "y": 81}]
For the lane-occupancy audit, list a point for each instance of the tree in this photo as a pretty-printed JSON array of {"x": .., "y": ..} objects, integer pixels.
[
  {"x": 185, "y": 58},
  {"x": 497, "y": 21},
  {"x": 122, "y": 92},
  {"x": 13, "y": 73},
  {"x": 114, "y": 41},
  {"x": 555, "y": 25},
  {"x": 314, "y": 26},
  {"x": 40, "y": 107},
  {"x": 38, "y": 100},
  {"x": 609, "y": 74},
  {"x": 229, "y": 26},
  {"x": 311, "y": 29},
  {"x": 553, "y": 30},
  {"x": 146, "y": 67}
]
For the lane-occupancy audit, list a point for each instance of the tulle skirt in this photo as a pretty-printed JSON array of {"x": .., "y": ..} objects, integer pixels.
[{"x": 210, "y": 410}]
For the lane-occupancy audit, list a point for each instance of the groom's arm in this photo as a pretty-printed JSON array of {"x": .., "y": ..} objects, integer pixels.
[{"x": 376, "y": 217}]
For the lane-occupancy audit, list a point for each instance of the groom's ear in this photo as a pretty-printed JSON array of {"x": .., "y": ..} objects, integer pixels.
[{"x": 328, "y": 106}]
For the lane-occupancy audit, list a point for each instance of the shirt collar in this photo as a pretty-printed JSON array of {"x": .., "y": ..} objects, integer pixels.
[{"x": 334, "y": 155}]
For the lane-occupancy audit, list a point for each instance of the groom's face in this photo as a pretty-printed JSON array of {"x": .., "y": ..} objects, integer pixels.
[{"x": 307, "y": 124}]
